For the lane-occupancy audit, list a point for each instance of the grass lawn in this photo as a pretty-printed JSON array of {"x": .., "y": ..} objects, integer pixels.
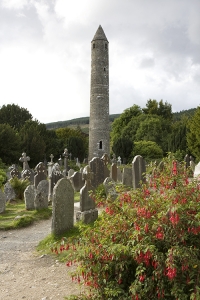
[
  {"x": 8, "y": 219},
  {"x": 14, "y": 209}
]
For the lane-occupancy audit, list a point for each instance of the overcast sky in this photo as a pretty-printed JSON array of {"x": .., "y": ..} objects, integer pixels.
[{"x": 154, "y": 53}]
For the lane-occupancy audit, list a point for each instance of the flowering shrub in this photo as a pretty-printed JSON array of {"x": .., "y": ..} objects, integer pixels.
[{"x": 145, "y": 244}]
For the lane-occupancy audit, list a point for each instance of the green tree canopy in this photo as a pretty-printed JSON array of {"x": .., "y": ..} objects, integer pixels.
[
  {"x": 148, "y": 150},
  {"x": 193, "y": 135},
  {"x": 123, "y": 147},
  {"x": 10, "y": 144},
  {"x": 14, "y": 115},
  {"x": 32, "y": 141}
]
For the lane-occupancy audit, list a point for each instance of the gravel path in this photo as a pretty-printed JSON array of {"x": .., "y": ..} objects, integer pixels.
[{"x": 26, "y": 275}]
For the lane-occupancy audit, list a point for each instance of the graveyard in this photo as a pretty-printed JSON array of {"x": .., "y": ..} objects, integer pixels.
[{"x": 132, "y": 234}]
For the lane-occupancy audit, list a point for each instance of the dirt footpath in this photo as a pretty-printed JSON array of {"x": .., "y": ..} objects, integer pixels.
[{"x": 26, "y": 275}]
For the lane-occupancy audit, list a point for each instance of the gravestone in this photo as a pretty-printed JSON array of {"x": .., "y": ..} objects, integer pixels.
[
  {"x": 197, "y": 172},
  {"x": 65, "y": 155},
  {"x": 29, "y": 197},
  {"x": 9, "y": 192},
  {"x": 56, "y": 175},
  {"x": 110, "y": 188},
  {"x": 2, "y": 202},
  {"x": 113, "y": 172},
  {"x": 70, "y": 173},
  {"x": 192, "y": 164},
  {"x": 62, "y": 207},
  {"x": 88, "y": 213},
  {"x": 127, "y": 177},
  {"x": 50, "y": 165},
  {"x": 105, "y": 160},
  {"x": 97, "y": 168},
  {"x": 41, "y": 173},
  {"x": 28, "y": 174},
  {"x": 119, "y": 161},
  {"x": 187, "y": 160},
  {"x": 41, "y": 200},
  {"x": 138, "y": 168},
  {"x": 14, "y": 172},
  {"x": 25, "y": 159},
  {"x": 77, "y": 181},
  {"x": 119, "y": 175}
]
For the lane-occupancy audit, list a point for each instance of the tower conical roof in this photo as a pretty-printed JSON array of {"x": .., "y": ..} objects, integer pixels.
[{"x": 100, "y": 35}]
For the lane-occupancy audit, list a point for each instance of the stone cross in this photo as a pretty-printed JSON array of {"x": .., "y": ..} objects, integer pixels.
[
  {"x": 65, "y": 155},
  {"x": 24, "y": 159},
  {"x": 119, "y": 160},
  {"x": 50, "y": 165}
]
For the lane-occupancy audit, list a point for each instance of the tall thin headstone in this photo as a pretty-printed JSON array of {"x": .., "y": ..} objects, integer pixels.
[
  {"x": 138, "y": 170},
  {"x": 62, "y": 207}
]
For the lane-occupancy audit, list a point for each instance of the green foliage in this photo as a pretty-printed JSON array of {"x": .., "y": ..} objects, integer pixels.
[
  {"x": 145, "y": 244},
  {"x": 10, "y": 144},
  {"x": 32, "y": 141},
  {"x": 148, "y": 150},
  {"x": 123, "y": 147},
  {"x": 14, "y": 115},
  {"x": 193, "y": 135},
  {"x": 19, "y": 186},
  {"x": 3, "y": 176},
  {"x": 74, "y": 140}
]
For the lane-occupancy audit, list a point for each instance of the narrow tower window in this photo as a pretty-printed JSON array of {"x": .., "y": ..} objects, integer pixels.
[
  {"x": 104, "y": 69},
  {"x": 106, "y": 46},
  {"x": 100, "y": 145},
  {"x": 93, "y": 45}
]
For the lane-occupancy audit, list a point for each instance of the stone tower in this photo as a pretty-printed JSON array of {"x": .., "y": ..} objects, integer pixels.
[{"x": 99, "y": 128}]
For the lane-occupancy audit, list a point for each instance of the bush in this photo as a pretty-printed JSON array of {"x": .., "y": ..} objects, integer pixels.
[
  {"x": 19, "y": 186},
  {"x": 147, "y": 149},
  {"x": 145, "y": 244}
]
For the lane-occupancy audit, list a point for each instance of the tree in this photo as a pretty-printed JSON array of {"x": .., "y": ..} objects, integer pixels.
[
  {"x": 32, "y": 141},
  {"x": 148, "y": 150},
  {"x": 193, "y": 135},
  {"x": 123, "y": 121},
  {"x": 149, "y": 129},
  {"x": 14, "y": 115},
  {"x": 123, "y": 147},
  {"x": 10, "y": 144},
  {"x": 67, "y": 137}
]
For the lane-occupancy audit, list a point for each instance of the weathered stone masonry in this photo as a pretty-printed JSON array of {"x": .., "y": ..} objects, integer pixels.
[{"x": 99, "y": 128}]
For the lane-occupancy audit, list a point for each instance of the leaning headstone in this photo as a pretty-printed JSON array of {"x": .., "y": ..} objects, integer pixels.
[
  {"x": 138, "y": 170},
  {"x": 127, "y": 177},
  {"x": 2, "y": 202},
  {"x": 97, "y": 168},
  {"x": 77, "y": 181},
  {"x": 9, "y": 191},
  {"x": 88, "y": 213},
  {"x": 113, "y": 172},
  {"x": 29, "y": 197},
  {"x": 110, "y": 188},
  {"x": 41, "y": 173},
  {"x": 62, "y": 207}
]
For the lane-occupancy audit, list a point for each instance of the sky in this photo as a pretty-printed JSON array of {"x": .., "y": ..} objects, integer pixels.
[{"x": 45, "y": 54}]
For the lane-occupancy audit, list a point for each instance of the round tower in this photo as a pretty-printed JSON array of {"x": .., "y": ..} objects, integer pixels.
[{"x": 99, "y": 127}]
